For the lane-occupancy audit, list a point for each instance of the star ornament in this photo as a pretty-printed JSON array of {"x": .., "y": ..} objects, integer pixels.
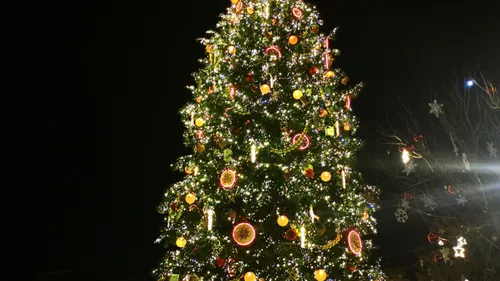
[{"x": 459, "y": 250}]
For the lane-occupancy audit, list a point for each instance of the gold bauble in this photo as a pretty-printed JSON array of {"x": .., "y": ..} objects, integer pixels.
[
  {"x": 365, "y": 215},
  {"x": 345, "y": 80},
  {"x": 231, "y": 50},
  {"x": 282, "y": 220},
  {"x": 320, "y": 275},
  {"x": 265, "y": 89},
  {"x": 326, "y": 176},
  {"x": 250, "y": 10},
  {"x": 190, "y": 198},
  {"x": 297, "y": 94},
  {"x": 208, "y": 49},
  {"x": 181, "y": 242},
  {"x": 198, "y": 99},
  {"x": 250, "y": 276},
  {"x": 293, "y": 40},
  {"x": 330, "y": 74},
  {"x": 234, "y": 1},
  {"x": 199, "y": 122},
  {"x": 347, "y": 127}
]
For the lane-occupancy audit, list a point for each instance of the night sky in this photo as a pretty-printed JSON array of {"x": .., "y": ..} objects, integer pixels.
[{"x": 117, "y": 75}]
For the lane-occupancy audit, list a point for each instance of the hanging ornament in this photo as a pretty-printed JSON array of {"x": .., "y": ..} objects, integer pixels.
[
  {"x": 250, "y": 276},
  {"x": 228, "y": 153},
  {"x": 231, "y": 49},
  {"x": 304, "y": 141},
  {"x": 199, "y": 122},
  {"x": 210, "y": 219},
  {"x": 198, "y": 99},
  {"x": 239, "y": 7},
  {"x": 326, "y": 176},
  {"x": 291, "y": 234},
  {"x": 315, "y": 29},
  {"x": 250, "y": 10},
  {"x": 354, "y": 242},
  {"x": 181, "y": 242},
  {"x": 408, "y": 195},
  {"x": 297, "y": 94},
  {"x": 347, "y": 127},
  {"x": 253, "y": 153},
  {"x": 309, "y": 172},
  {"x": 320, "y": 275},
  {"x": 345, "y": 80},
  {"x": 459, "y": 249},
  {"x": 249, "y": 77},
  {"x": 188, "y": 170},
  {"x": 451, "y": 189},
  {"x": 365, "y": 215},
  {"x": 231, "y": 267},
  {"x": 302, "y": 237},
  {"x": 313, "y": 70},
  {"x": 433, "y": 237},
  {"x": 234, "y": 1},
  {"x": 274, "y": 51},
  {"x": 282, "y": 220},
  {"x": 200, "y": 148},
  {"x": 293, "y": 40},
  {"x": 265, "y": 89},
  {"x": 190, "y": 198},
  {"x": 352, "y": 268},
  {"x": 329, "y": 74},
  {"x": 330, "y": 131},
  {"x": 323, "y": 112},
  {"x": 297, "y": 13},
  {"x": 244, "y": 234},
  {"x": 438, "y": 258},
  {"x": 208, "y": 48},
  {"x": 219, "y": 262},
  {"x": 227, "y": 178}
]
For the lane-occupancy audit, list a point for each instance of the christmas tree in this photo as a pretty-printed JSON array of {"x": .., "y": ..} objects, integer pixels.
[{"x": 270, "y": 192}]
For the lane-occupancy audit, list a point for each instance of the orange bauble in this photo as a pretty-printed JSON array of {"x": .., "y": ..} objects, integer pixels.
[
  {"x": 326, "y": 176},
  {"x": 234, "y": 1},
  {"x": 250, "y": 276},
  {"x": 293, "y": 39},
  {"x": 265, "y": 89},
  {"x": 282, "y": 220},
  {"x": 190, "y": 198},
  {"x": 320, "y": 275}
]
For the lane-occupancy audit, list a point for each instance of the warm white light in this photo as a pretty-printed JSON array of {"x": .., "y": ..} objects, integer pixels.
[
  {"x": 253, "y": 153},
  {"x": 210, "y": 213},
  {"x": 405, "y": 156},
  {"x": 343, "y": 178},
  {"x": 337, "y": 127},
  {"x": 459, "y": 250}
]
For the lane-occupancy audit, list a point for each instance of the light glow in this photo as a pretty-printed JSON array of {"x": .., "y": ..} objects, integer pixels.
[
  {"x": 405, "y": 156},
  {"x": 302, "y": 237}
]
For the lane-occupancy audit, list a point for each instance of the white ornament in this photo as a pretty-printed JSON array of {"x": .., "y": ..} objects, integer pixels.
[
  {"x": 436, "y": 108},
  {"x": 405, "y": 204},
  {"x": 461, "y": 200},
  {"x": 409, "y": 168},
  {"x": 428, "y": 201},
  {"x": 401, "y": 215},
  {"x": 459, "y": 250},
  {"x": 492, "y": 150}
]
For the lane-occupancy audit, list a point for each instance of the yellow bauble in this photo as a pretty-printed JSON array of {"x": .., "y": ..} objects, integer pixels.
[
  {"x": 231, "y": 50},
  {"x": 265, "y": 89},
  {"x": 330, "y": 74},
  {"x": 190, "y": 198},
  {"x": 347, "y": 127},
  {"x": 293, "y": 40},
  {"x": 250, "y": 276},
  {"x": 250, "y": 10},
  {"x": 326, "y": 176},
  {"x": 320, "y": 275},
  {"x": 261, "y": 279},
  {"x": 282, "y": 220},
  {"x": 199, "y": 122},
  {"x": 181, "y": 242},
  {"x": 234, "y": 1},
  {"x": 297, "y": 94}
]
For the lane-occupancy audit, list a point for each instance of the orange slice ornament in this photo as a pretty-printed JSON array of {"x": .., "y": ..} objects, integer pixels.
[
  {"x": 227, "y": 179},
  {"x": 244, "y": 234}
]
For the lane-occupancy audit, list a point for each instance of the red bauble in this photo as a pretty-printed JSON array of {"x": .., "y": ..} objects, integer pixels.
[
  {"x": 408, "y": 195},
  {"x": 309, "y": 173},
  {"x": 219, "y": 262},
  {"x": 352, "y": 268},
  {"x": 438, "y": 258},
  {"x": 174, "y": 206},
  {"x": 249, "y": 77},
  {"x": 291, "y": 235},
  {"x": 451, "y": 189},
  {"x": 433, "y": 237},
  {"x": 313, "y": 70}
]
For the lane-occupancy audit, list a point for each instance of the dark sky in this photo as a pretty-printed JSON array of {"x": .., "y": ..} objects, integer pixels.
[{"x": 117, "y": 73}]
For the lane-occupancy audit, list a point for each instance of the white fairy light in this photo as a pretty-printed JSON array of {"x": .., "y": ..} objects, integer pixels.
[
  {"x": 210, "y": 213},
  {"x": 405, "y": 155},
  {"x": 302, "y": 237},
  {"x": 253, "y": 153}
]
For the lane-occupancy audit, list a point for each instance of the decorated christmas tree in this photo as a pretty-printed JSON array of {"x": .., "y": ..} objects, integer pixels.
[{"x": 270, "y": 192}]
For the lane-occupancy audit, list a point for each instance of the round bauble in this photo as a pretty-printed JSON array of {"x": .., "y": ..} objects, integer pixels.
[
  {"x": 250, "y": 276},
  {"x": 231, "y": 50},
  {"x": 265, "y": 89},
  {"x": 293, "y": 40},
  {"x": 282, "y": 220},
  {"x": 181, "y": 242},
  {"x": 326, "y": 176},
  {"x": 190, "y": 198},
  {"x": 320, "y": 275},
  {"x": 330, "y": 74},
  {"x": 199, "y": 122},
  {"x": 297, "y": 94}
]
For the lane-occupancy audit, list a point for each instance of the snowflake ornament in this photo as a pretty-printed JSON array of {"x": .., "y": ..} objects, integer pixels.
[
  {"x": 492, "y": 150},
  {"x": 461, "y": 200},
  {"x": 401, "y": 215},
  {"x": 409, "y": 168},
  {"x": 428, "y": 201},
  {"x": 405, "y": 204},
  {"x": 436, "y": 108}
]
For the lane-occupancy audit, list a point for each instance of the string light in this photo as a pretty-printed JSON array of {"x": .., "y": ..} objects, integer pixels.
[{"x": 302, "y": 237}]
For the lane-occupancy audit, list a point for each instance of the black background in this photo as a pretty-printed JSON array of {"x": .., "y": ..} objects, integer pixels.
[{"x": 117, "y": 73}]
